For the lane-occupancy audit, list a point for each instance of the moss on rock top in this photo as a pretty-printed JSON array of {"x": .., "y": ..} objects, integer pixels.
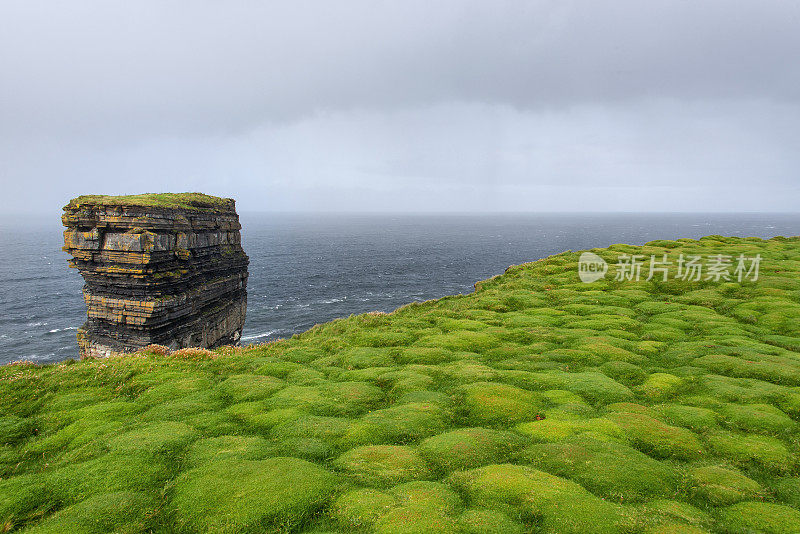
[
  {"x": 186, "y": 201},
  {"x": 538, "y": 403}
]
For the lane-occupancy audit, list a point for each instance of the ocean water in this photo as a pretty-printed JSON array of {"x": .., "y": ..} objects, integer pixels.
[{"x": 308, "y": 269}]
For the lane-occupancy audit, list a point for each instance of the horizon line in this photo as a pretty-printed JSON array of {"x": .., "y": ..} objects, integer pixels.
[{"x": 7, "y": 213}]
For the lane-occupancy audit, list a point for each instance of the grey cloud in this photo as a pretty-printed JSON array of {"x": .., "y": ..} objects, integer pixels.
[
  {"x": 147, "y": 67},
  {"x": 467, "y": 156},
  {"x": 412, "y": 105}
]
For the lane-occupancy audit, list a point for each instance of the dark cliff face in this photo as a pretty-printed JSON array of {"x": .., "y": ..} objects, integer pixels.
[{"x": 157, "y": 274}]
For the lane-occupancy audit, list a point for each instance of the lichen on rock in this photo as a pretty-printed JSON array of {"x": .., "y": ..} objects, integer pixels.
[{"x": 165, "y": 269}]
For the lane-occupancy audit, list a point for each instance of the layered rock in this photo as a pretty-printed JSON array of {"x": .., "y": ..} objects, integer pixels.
[{"x": 164, "y": 269}]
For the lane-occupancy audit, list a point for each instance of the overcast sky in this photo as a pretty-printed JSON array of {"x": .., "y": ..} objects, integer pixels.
[{"x": 404, "y": 106}]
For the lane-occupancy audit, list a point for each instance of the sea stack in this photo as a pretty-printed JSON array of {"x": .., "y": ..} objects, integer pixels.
[{"x": 164, "y": 269}]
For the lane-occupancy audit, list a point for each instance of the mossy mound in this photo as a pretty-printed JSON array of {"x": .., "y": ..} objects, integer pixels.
[
  {"x": 556, "y": 429},
  {"x": 760, "y": 517},
  {"x": 661, "y": 385},
  {"x": 345, "y": 398},
  {"x": 606, "y": 468},
  {"x": 537, "y": 403},
  {"x": 224, "y": 447},
  {"x": 760, "y": 418},
  {"x": 412, "y": 507},
  {"x": 399, "y": 424},
  {"x": 665, "y": 516},
  {"x": 421, "y": 507},
  {"x": 483, "y": 521},
  {"x": 312, "y": 437},
  {"x": 364, "y": 357},
  {"x": 559, "y": 505},
  {"x": 692, "y": 417},
  {"x": 466, "y": 448},
  {"x": 383, "y": 465},
  {"x": 720, "y": 486},
  {"x": 107, "y": 512},
  {"x": 236, "y": 495},
  {"x": 107, "y": 473},
  {"x": 658, "y": 438},
  {"x": 493, "y": 403},
  {"x": 787, "y": 490},
  {"x": 167, "y": 438},
  {"x": 360, "y": 508},
  {"x": 748, "y": 450},
  {"x": 247, "y": 387}
]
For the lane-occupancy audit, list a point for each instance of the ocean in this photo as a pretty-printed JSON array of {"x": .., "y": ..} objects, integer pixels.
[{"x": 308, "y": 269}]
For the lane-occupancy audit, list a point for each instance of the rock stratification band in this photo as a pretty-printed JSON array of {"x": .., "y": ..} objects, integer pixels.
[{"x": 163, "y": 269}]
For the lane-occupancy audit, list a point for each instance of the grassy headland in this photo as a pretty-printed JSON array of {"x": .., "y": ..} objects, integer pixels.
[
  {"x": 538, "y": 403},
  {"x": 187, "y": 201}
]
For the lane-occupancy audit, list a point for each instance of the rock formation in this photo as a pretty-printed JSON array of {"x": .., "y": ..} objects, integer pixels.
[{"x": 164, "y": 269}]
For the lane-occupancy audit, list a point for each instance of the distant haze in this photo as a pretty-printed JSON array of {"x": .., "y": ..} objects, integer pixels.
[{"x": 404, "y": 106}]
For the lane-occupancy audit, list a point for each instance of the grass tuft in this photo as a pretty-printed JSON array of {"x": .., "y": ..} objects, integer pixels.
[
  {"x": 383, "y": 465},
  {"x": 235, "y": 495}
]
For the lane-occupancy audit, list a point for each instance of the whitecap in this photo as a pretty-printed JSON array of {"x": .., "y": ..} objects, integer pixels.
[
  {"x": 332, "y": 301},
  {"x": 258, "y": 336}
]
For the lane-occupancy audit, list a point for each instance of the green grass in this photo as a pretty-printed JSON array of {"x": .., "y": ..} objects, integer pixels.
[
  {"x": 554, "y": 429},
  {"x": 535, "y": 404},
  {"x": 557, "y": 504},
  {"x": 745, "y": 450},
  {"x": 760, "y": 517},
  {"x": 361, "y": 508},
  {"x": 466, "y": 448},
  {"x": 717, "y": 486},
  {"x": 607, "y": 468},
  {"x": 206, "y": 450},
  {"x": 383, "y": 465},
  {"x": 187, "y": 201},
  {"x": 107, "y": 512},
  {"x": 235, "y": 495},
  {"x": 657, "y": 438}
]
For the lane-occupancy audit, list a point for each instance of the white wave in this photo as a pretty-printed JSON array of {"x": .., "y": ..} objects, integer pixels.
[
  {"x": 54, "y": 330},
  {"x": 39, "y": 357},
  {"x": 258, "y": 336},
  {"x": 331, "y": 301}
]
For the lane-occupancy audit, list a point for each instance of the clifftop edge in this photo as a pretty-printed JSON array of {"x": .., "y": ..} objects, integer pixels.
[{"x": 185, "y": 201}]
